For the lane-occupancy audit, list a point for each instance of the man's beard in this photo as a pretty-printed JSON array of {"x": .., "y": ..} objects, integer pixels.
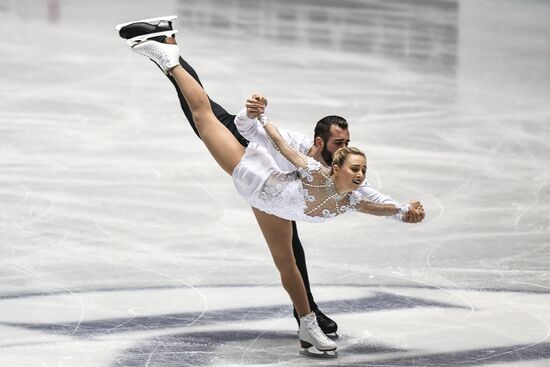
[{"x": 327, "y": 156}]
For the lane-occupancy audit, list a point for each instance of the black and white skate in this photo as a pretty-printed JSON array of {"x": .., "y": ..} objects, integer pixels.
[
  {"x": 155, "y": 29},
  {"x": 328, "y": 325}
]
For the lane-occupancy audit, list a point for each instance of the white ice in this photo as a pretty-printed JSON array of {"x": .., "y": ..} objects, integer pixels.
[{"x": 123, "y": 244}]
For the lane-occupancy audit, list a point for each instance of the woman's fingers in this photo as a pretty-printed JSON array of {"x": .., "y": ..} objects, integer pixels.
[
  {"x": 253, "y": 105},
  {"x": 260, "y": 98},
  {"x": 254, "y": 101}
]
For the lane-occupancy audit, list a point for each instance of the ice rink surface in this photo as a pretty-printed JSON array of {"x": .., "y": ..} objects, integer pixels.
[{"x": 123, "y": 244}]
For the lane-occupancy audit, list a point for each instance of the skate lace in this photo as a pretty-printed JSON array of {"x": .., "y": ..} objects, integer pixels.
[
  {"x": 317, "y": 334},
  {"x": 156, "y": 54},
  {"x": 161, "y": 55}
]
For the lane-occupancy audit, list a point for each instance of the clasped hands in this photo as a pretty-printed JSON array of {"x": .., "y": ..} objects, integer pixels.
[
  {"x": 255, "y": 105},
  {"x": 415, "y": 214}
]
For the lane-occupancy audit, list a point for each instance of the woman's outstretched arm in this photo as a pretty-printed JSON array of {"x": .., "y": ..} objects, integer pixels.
[
  {"x": 295, "y": 158},
  {"x": 385, "y": 210}
]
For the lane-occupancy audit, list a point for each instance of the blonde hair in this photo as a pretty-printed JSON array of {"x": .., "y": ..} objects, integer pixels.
[{"x": 339, "y": 157}]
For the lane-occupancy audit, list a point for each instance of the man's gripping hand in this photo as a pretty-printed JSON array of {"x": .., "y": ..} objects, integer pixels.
[
  {"x": 255, "y": 105},
  {"x": 415, "y": 214}
]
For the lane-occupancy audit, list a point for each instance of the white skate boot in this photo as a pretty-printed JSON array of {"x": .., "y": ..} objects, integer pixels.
[
  {"x": 163, "y": 54},
  {"x": 311, "y": 335}
]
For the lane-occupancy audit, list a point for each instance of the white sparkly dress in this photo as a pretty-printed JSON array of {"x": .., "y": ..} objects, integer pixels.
[{"x": 300, "y": 194}]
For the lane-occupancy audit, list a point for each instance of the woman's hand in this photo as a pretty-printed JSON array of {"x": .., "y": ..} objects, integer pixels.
[{"x": 255, "y": 105}]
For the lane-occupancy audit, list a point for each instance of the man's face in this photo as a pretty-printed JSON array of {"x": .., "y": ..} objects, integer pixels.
[{"x": 338, "y": 138}]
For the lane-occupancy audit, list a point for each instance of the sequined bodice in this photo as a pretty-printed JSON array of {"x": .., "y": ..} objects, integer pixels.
[
  {"x": 306, "y": 194},
  {"x": 320, "y": 196}
]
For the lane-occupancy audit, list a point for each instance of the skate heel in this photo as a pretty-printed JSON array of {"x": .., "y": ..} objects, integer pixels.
[{"x": 305, "y": 344}]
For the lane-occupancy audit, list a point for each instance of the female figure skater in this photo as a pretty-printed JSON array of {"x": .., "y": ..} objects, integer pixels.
[{"x": 310, "y": 193}]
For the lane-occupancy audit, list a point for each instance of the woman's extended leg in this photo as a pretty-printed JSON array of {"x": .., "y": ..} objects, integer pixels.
[
  {"x": 227, "y": 119},
  {"x": 223, "y": 146},
  {"x": 278, "y": 235},
  {"x": 227, "y": 151}
]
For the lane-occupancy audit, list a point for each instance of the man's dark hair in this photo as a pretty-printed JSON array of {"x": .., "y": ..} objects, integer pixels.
[{"x": 322, "y": 128}]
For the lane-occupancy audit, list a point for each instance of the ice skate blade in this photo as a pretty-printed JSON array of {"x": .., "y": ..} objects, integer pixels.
[
  {"x": 150, "y": 20},
  {"x": 144, "y": 37},
  {"x": 315, "y": 353}
]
